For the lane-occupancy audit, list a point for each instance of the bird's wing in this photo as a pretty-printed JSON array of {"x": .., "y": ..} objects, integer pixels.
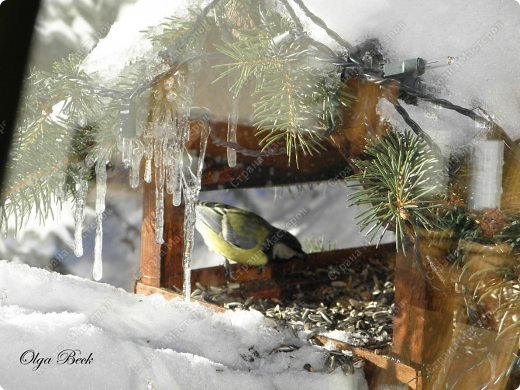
[
  {"x": 241, "y": 229},
  {"x": 210, "y": 217},
  {"x": 238, "y": 227}
]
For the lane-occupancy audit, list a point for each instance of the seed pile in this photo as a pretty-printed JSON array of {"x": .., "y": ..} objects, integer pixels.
[{"x": 357, "y": 300}]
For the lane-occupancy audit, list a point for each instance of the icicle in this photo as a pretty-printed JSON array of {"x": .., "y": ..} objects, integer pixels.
[
  {"x": 157, "y": 150},
  {"x": 178, "y": 159},
  {"x": 148, "y": 164},
  {"x": 189, "y": 233},
  {"x": 171, "y": 151},
  {"x": 170, "y": 170},
  {"x": 170, "y": 161},
  {"x": 148, "y": 170},
  {"x": 127, "y": 148},
  {"x": 128, "y": 130},
  {"x": 101, "y": 186},
  {"x": 232, "y": 133},
  {"x": 135, "y": 168},
  {"x": 185, "y": 105},
  {"x": 191, "y": 194},
  {"x": 97, "y": 271},
  {"x": 182, "y": 136},
  {"x": 101, "y": 190},
  {"x": 177, "y": 162},
  {"x": 204, "y": 135},
  {"x": 159, "y": 192},
  {"x": 60, "y": 185},
  {"x": 128, "y": 119},
  {"x": 90, "y": 160},
  {"x": 79, "y": 213}
]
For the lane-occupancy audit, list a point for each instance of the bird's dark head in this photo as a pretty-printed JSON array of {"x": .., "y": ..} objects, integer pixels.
[{"x": 281, "y": 245}]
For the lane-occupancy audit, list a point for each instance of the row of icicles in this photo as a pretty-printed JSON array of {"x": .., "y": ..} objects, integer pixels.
[{"x": 176, "y": 171}]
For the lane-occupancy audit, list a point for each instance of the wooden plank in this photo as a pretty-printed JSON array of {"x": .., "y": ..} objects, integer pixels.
[
  {"x": 383, "y": 369},
  {"x": 265, "y": 170},
  {"x": 141, "y": 288},
  {"x": 341, "y": 258},
  {"x": 361, "y": 120}
]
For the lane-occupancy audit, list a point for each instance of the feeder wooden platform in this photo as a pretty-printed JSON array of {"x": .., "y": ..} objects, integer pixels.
[
  {"x": 421, "y": 328},
  {"x": 379, "y": 369},
  {"x": 161, "y": 265}
]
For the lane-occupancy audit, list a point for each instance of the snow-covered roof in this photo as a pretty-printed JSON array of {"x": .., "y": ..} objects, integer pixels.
[{"x": 484, "y": 37}]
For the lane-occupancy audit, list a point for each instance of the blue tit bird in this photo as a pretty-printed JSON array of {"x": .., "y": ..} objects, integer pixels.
[{"x": 244, "y": 237}]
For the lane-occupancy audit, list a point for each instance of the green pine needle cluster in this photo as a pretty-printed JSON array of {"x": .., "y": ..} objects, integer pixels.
[
  {"x": 296, "y": 98},
  {"x": 256, "y": 50},
  {"x": 399, "y": 177},
  {"x": 511, "y": 234},
  {"x": 52, "y": 141}
]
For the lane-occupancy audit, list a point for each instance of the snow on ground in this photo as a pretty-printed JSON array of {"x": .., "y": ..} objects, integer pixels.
[{"x": 139, "y": 341}]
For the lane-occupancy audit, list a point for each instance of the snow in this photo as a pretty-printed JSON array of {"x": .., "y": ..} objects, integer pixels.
[
  {"x": 67, "y": 26},
  {"x": 483, "y": 36},
  {"x": 109, "y": 59},
  {"x": 136, "y": 341}
]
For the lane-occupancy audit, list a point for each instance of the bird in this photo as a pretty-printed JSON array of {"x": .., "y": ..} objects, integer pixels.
[{"x": 244, "y": 237}]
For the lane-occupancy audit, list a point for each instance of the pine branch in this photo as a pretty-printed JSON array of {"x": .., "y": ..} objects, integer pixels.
[
  {"x": 399, "y": 177},
  {"x": 54, "y": 140},
  {"x": 296, "y": 99}
]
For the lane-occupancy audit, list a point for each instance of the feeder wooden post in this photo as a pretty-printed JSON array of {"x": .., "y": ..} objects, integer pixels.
[
  {"x": 161, "y": 265},
  {"x": 424, "y": 307},
  {"x": 421, "y": 320},
  {"x": 151, "y": 256},
  {"x": 172, "y": 271}
]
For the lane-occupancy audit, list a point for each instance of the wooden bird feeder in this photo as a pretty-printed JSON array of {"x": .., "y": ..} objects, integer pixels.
[{"x": 420, "y": 322}]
